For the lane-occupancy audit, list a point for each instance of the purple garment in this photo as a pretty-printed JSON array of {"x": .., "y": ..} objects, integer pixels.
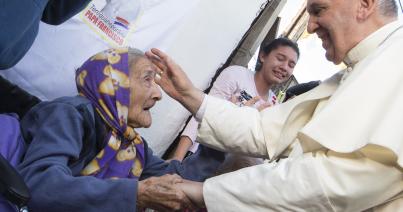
[
  {"x": 104, "y": 80},
  {"x": 12, "y": 147}
]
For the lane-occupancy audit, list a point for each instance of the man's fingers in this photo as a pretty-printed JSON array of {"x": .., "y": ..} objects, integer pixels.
[
  {"x": 174, "y": 178},
  {"x": 187, "y": 203},
  {"x": 170, "y": 179},
  {"x": 159, "y": 81},
  {"x": 175, "y": 199},
  {"x": 167, "y": 67},
  {"x": 252, "y": 101},
  {"x": 264, "y": 106},
  {"x": 156, "y": 61},
  {"x": 159, "y": 53},
  {"x": 163, "y": 193},
  {"x": 234, "y": 99},
  {"x": 183, "y": 200}
]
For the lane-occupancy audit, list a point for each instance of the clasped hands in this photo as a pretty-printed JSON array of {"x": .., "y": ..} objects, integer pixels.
[{"x": 169, "y": 193}]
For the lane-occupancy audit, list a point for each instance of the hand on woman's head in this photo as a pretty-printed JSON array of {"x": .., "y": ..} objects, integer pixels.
[{"x": 174, "y": 81}]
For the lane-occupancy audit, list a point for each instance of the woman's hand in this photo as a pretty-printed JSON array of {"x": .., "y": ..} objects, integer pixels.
[
  {"x": 174, "y": 81},
  {"x": 163, "y": 194}
]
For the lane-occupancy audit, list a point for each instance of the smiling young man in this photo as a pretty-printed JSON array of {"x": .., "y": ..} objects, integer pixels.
[{"x": 334, "y": 148}]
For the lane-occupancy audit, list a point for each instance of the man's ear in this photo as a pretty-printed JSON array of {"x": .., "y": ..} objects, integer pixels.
[
  {"x": 366, "y": 9},
  {"x": 262, "y": 55}
]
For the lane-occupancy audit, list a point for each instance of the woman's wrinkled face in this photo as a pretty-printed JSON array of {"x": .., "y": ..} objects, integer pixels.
[{"x": 144, "y": 93}]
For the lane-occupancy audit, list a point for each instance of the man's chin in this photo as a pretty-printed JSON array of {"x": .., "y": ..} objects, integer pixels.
[
  {"x": 330, "y": 56},
  {"x": 333, "y": 59}
]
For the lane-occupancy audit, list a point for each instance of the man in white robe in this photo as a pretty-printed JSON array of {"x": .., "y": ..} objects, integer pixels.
[{"x": 338, "y": 147}]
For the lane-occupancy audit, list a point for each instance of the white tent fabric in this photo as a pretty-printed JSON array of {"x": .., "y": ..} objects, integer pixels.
[
  {"x": 48, "y": 68},
  {"x": 199, "y": 35}
]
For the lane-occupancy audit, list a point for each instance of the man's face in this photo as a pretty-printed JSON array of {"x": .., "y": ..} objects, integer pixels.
[
  {"x": 144, "y": 93},
  {"x": 278, "y": 65},
  {"x": 334, "y": 21}
]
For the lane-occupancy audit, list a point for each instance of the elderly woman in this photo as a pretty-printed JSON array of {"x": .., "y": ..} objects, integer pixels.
[{"x": 84, "y": 152}]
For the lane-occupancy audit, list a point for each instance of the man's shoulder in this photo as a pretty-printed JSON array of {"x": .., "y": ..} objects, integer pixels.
[
  {"x": 236, "y": 71},
  {"x": 235, "y": 68}
]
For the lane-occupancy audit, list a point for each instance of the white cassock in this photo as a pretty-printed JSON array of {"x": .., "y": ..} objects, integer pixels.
[{"x": 340, "y": 145}]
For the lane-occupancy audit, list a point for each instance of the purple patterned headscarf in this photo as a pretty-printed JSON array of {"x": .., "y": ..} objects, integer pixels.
[{"x": 104, "y": 80}]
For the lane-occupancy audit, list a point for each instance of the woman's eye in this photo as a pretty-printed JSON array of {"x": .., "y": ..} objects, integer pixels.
[{"x": 148, "y": 78}]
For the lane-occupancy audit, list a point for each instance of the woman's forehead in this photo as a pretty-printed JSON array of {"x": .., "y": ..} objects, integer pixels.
[{"x": 143, "y": 66}]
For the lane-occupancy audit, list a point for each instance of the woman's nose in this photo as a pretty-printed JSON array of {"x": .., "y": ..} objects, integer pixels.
[{"x": 156, "y": 95}]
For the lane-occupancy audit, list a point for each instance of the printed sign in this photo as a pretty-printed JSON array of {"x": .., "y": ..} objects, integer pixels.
[{"x": 112, "y": 22}]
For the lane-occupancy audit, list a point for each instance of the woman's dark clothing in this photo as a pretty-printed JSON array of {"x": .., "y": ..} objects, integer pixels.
[{"x": 65, "y": 134}]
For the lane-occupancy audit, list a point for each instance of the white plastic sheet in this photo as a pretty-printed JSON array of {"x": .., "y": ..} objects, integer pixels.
[{"x": 199, "y": 35}]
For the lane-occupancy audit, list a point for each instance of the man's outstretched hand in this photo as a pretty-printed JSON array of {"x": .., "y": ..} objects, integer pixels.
[{"x": 174, "y": 81}]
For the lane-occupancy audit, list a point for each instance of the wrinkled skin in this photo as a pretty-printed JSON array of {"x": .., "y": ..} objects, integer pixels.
[
  {"x": 144, "y": 93},
  {"x": 162, "y": 194}
]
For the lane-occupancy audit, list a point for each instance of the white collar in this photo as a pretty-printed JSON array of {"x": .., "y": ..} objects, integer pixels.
[{"x": 370, "y": 43}]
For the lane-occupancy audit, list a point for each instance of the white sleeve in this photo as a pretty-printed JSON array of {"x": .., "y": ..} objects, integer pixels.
[
  {"x": 320, "y": 182},
  {"x": 223, "y": 88},
  {"x": 229, "y": 128},
  {"x": 222, "y": 128}
]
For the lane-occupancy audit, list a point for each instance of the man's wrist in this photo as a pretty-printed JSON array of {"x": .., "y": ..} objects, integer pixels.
[
  {"x": 202, "y": 109},
  {"x": 193, "y": 100}
]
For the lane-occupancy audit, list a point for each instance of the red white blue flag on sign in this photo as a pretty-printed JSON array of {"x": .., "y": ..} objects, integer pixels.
[{"x": 121, "y": 22}]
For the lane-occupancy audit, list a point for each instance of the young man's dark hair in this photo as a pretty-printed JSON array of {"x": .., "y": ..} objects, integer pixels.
[{"x": 268, "y": 47}]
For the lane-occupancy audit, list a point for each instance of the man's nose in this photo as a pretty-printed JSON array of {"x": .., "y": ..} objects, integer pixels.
[
  {"x": 312, "y": 25},
  {"x": 284, "y": 66}
]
